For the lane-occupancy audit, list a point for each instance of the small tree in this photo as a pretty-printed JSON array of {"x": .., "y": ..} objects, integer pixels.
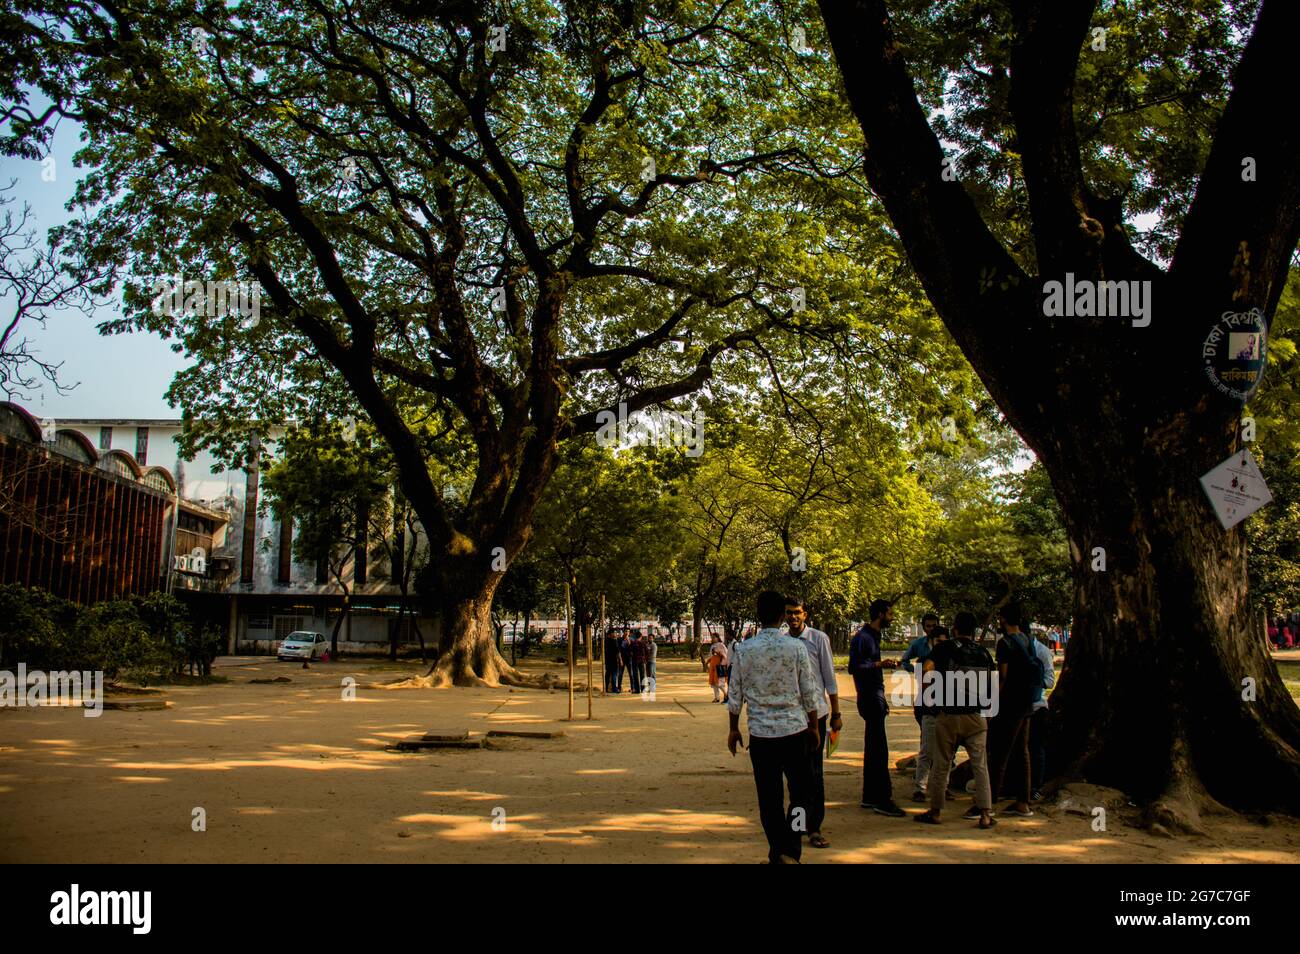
[
  {"x": 331, "y": 485},
  {"x": 520, "y": 593}
]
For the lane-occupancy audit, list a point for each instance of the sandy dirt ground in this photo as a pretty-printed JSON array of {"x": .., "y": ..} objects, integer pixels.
[{"x": 290, "y": 772}]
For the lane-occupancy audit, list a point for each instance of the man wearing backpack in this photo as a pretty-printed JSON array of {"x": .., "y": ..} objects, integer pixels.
[
  {"x": 1020, "y": 680},
  {"x": 959, "y": 720}
]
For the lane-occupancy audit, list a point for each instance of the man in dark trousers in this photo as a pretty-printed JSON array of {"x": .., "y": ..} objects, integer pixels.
[
  {"x": 624, "y": 659},
  {"x": 818, "y": 645},
  {"x": 1019, "y": 681},
  {"x": 611, "y": 662},
  {"x": 772, "y": 674},
  {"x": 636, "y": 661},
  {"x": 867, "y": 669}
]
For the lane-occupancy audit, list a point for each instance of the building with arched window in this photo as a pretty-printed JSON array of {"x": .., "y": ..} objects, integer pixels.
[
  {"x": 85, "y": 523},
  {"x": 96, "y": 509}
]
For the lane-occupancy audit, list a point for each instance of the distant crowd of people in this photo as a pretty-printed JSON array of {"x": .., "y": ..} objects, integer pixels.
[
  {"x": 1283, "y": 633},
  {"x": 633, "y": 654},
  {"x": 784, "y": 678}
]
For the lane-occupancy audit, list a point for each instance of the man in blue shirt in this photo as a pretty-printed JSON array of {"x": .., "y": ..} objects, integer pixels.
[
  {"x": 926, "y": 717},
  {"x": 773, "y": 675},
  {"x": 1008, "y": 742},
  {"x": 867, "y": 669},
  {"x": 1039, "y": 725}
]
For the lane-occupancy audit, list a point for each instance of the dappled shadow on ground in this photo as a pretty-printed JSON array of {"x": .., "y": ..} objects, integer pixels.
[{"x": 296, "y": 772}]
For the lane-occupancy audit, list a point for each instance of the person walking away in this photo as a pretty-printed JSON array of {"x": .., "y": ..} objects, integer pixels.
[
  {"x": 1040, "y": 723},
  {"x": 867, "y": 669},
  {"x": 1019, "y": 679},
  {"x": 715, "y": 683},
  {"x": 919, "y": 650},
  {"x": 956, "y": 667},
  {"x": 651, "y": 653},
  {"x": 610, "y": 653},
  {"x": 636, "y": 659},
  {"x": 773, "y": 680},
  {"x": 723, "y": 654},
  {"x": 818, "y": 645},
  {"x": 624, "y": 657}
]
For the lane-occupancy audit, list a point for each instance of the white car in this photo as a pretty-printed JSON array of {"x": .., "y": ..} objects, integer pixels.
[{"x": 301, "y": 645}]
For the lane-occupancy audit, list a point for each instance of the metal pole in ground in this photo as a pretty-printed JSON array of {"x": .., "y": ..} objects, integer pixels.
[
  {"x": 568, "y": 622},
  {"x": 589, "y": 689},
  {"x": 600, "y": 634}
]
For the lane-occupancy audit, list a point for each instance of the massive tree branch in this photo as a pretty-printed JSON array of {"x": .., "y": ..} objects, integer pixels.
[
  {"x": 954, "y": 253},
  {"x": 1044, "y": 59},
  {"x": 1241, "y": 231},
  {"x": 590, "y": 421}
]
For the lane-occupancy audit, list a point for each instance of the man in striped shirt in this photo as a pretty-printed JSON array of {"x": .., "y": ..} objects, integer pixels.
[{"x": 818, "y": 645}]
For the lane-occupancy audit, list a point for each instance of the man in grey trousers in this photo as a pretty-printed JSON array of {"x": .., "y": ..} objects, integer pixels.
[{"x": 959, "y": 671}]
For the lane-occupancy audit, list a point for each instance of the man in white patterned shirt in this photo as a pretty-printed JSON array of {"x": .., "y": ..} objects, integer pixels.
[{"x": 773, "y": 675}]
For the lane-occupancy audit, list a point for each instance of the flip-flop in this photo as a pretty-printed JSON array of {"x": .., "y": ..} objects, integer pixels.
[
  {"x": 817, "y": 841},
  {"x": 991, "y": 822}
]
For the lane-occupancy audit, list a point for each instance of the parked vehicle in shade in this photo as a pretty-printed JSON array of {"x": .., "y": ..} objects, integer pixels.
[{"x": 301, "y": 645}]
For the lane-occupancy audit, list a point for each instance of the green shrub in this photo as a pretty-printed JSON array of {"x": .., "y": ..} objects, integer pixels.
[
  {"x": 139, "y": 638},
  {"x": 36, "y": 628}
]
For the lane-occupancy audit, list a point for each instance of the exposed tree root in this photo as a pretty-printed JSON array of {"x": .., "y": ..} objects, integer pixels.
[
  {"x": 1178, "y": 809},
  {"x": 450, "y": 671},
  {"x": 1182, "y": 808}
]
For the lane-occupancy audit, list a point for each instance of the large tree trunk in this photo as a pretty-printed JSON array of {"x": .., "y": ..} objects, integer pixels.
[
  {"x": 1168, "y": 689},
  {"x": 1151, "y": 697},
  {"x": 467, "y": 653},
  {"x": 467, "y": 650},
  {"x": 397, "y": 632}
]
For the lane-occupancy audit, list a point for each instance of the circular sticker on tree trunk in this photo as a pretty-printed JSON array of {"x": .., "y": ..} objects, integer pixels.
[{"x": 1234, "y": 353}]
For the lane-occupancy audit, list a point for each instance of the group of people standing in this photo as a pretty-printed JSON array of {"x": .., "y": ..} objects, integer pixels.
[
  {"x": 1003, "y": 731},
  {"x": 786, "y": 681},
  {"x": 1281, "y": 633},
  {"x": 630, "y": 653}
]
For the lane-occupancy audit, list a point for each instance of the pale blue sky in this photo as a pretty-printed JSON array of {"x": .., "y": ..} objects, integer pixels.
[{"x": 120, "y": 376}]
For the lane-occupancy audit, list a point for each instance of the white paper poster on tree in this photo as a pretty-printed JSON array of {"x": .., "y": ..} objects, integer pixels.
[{"x": 1236, "y": 489}]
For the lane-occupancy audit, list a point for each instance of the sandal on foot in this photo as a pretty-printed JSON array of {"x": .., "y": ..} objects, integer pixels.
[
  {"x": 926, "y": 818},
  {"x": 987, "y": 823},
  {"x": 817, "y": 841}
]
